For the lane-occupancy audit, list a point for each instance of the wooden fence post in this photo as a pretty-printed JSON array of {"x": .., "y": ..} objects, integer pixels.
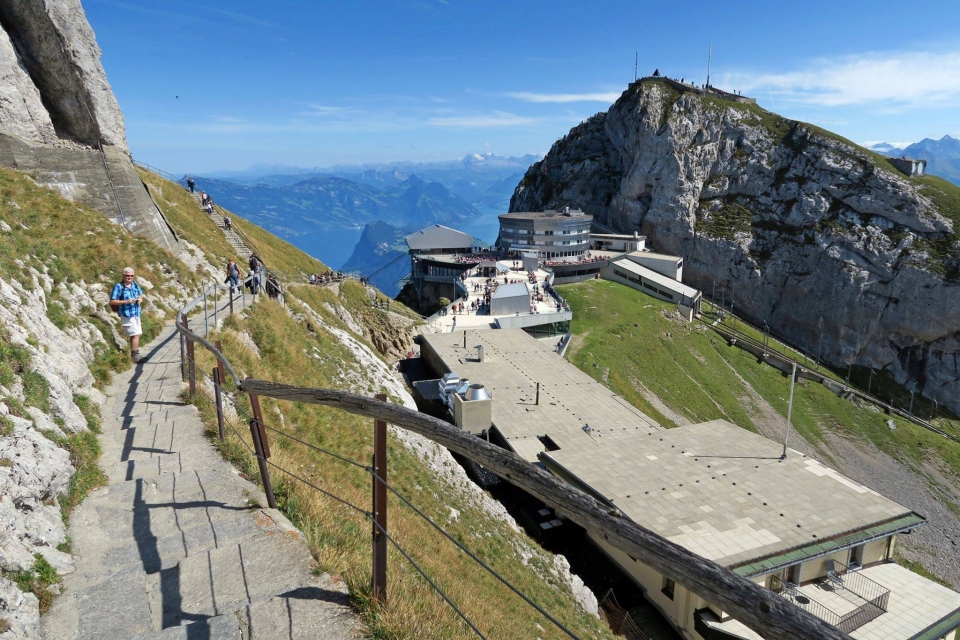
[
  {"x": 379, "y": 586},
  {"x": 222, "y": 377},
  {"x": 191, "y": 367},
  {"x": 217, "y": 395},
  {"x": 231, "y": 299},
  {"x": 262, "y": 449},
  {"x": 183, "y": 350}
]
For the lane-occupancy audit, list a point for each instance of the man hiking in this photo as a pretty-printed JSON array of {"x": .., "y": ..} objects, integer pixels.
[
  {"x": 233, "y": 275},
  {"x": 126, "y": 298},
  {"x": 191, "y": 184}
]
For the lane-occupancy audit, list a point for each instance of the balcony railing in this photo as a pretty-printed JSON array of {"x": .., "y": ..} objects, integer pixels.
[{"x": 873, "y": 597}]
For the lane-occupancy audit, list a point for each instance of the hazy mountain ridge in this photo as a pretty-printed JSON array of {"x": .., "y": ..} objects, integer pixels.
[
  {"x": 481, "y": 179},
  {"x": 380, "y": 254},
  {"x": 942, "y": 156},
  {"x": 327, "y": 203}
]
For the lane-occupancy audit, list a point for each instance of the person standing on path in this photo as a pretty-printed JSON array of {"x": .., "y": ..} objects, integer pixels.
[
  {"x": 191, "y": 184},
  {"x": 126, "y": 298},
  {"x": 233, "y": 275}
]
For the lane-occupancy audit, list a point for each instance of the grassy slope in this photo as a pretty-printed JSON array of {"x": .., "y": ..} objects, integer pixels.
[
  {"x": 71, "y": 243},
  {"x": 692, "y": 372},
  {"x": 292, "y": 352}
]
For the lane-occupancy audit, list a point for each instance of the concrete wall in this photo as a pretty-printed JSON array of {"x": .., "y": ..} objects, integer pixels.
[
  {"x": 607, "y": 273},
  {"x": 670, "y": 266},
  {"x": 875, "y": 551},
  {"x": 814, "y": 569}
]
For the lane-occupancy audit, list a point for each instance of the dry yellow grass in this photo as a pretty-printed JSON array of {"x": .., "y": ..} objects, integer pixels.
[{"x": 339, "y": 537}]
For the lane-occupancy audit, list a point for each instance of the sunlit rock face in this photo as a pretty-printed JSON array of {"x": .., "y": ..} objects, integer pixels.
[{"x": 793, "y": 221}]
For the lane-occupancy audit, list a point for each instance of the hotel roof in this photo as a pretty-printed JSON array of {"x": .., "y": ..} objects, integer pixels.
[
  {"x": 626, "y": 264},
  {"x": 438, "y": 236},
  {"x": 533, "y": 215},
  {"x": 513, "y": 364},
  {"x": 717, "y": 489},
  {"x": 724, "y": 492}
]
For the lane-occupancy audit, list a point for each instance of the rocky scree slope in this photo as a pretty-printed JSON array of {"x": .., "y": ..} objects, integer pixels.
[{"x": 797, "y": 222}]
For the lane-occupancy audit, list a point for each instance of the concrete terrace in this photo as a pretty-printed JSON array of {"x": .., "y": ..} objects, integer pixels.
[
  {"x": 472, "y": 320},
  {"x": 176, "y": 545}
]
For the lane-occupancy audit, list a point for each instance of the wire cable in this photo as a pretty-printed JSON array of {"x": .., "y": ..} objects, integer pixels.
[
  {"x": 427, "y": 578},
  {"x": 316, "y": 448},
  {"x": 460, "y": 546}
]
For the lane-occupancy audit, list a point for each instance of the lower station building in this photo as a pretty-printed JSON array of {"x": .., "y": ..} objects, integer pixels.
[{"x": 789, "y": 523}]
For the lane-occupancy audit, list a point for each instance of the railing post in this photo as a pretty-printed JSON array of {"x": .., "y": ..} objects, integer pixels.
[
  {"x": 216, "y": 301},
  {"x": 223, "y": 378},
  {"x": 192, "y": 368},
  {"x": 231, "y": 299},
  {"x": 262, "y": 449},
  {"x": 183, "y": 350},
  {"x": 217, "y": 395},
  {"x": 206, "y": 325},
  {"x": 379, "y": 586}
]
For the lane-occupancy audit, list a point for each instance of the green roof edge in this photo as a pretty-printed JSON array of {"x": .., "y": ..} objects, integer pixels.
[{"x": 823, "y": 547}]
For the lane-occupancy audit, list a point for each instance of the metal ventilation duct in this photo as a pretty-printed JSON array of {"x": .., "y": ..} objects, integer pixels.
[{"x": 476, "y": 392}]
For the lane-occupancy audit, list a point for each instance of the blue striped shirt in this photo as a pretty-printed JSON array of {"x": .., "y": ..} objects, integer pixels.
[{"x": 132, "y": 292}]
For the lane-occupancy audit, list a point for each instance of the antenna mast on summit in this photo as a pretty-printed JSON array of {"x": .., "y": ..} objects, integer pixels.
[
  {"x": 709, "y": 59},
  {"x": 636, "y": 56}
]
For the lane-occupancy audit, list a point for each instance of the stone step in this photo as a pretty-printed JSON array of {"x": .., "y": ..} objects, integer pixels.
[
  {"x": 158, "y": 553},
  {"x": 298, "y": 614},
  {"x": 223, "y": 580}
]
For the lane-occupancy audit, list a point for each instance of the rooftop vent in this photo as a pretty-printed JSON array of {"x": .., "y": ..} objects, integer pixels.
[{"x": 476, "y": 392}]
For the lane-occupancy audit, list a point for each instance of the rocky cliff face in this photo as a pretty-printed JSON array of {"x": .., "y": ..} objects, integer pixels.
[
  {"x": 798, "y": 223},
  {"x": 52, "y": 84}
]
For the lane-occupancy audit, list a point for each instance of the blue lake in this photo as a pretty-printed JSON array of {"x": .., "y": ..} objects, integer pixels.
[{"x": 334, "y": 247}]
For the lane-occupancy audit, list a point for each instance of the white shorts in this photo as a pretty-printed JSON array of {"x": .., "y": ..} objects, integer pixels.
[{"x": 131, "y": 326}]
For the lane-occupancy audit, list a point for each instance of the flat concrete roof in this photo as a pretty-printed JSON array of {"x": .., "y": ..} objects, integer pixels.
[
  {"x": 438, "y": 236},
  {"x": 721, "y": 491},
  {"x": 914, "y": 605},
  {"x": 532, "y": 215},
  {"x": 513, "y": 363},
  {"x": 656, "y": 278},
  {"x": 515, "y": 290}
]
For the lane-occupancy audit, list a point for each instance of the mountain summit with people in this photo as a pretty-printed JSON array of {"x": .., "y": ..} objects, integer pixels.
[{"x": 806, "y": 231}]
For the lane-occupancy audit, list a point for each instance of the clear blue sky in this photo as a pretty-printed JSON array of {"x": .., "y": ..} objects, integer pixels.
[{"x": 316, "y": 83}]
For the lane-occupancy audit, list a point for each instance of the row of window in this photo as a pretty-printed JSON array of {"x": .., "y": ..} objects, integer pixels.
[{"x": 646, "y": 285}]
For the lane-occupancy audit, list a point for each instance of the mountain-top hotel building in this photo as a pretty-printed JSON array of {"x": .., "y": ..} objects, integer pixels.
[
  {"x": 787, "y": 522},
  {"x": 551, "y": 234}
]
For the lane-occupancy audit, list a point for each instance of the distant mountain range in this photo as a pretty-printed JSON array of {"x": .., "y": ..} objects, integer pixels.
[
  {"x": 484, "y": 180},
  {"x": 328, "y": 203},
  {"x": 942, "y": 156}
]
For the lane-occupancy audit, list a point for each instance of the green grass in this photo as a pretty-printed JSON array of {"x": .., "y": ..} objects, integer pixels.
[
  {"x": 699, "y": 377},
  {"x": 37, "y": 580},
  {"x": 292, "y": 352}
]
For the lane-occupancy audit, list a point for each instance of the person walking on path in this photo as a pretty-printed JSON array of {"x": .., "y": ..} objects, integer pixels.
[
  {"x": 233, "y": 275},
  {"x": 191, "y": 184},
  {"x": 227, "y": 225},
  {"x": 126, "y": 298}
]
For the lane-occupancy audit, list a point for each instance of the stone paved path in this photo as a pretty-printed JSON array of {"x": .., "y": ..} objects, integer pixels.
[{"x": 176, "y": 546}]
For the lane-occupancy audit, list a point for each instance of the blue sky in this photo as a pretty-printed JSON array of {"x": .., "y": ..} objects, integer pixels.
[{"x": 224, "y": 85}]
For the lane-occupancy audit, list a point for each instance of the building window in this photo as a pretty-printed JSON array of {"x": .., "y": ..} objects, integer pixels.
[{"x": 668, "y": 587}]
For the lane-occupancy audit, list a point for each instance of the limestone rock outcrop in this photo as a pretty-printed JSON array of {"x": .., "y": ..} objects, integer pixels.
[
  {"x": 797, "y": 223},
  {"x": 54, "y": 82}
]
